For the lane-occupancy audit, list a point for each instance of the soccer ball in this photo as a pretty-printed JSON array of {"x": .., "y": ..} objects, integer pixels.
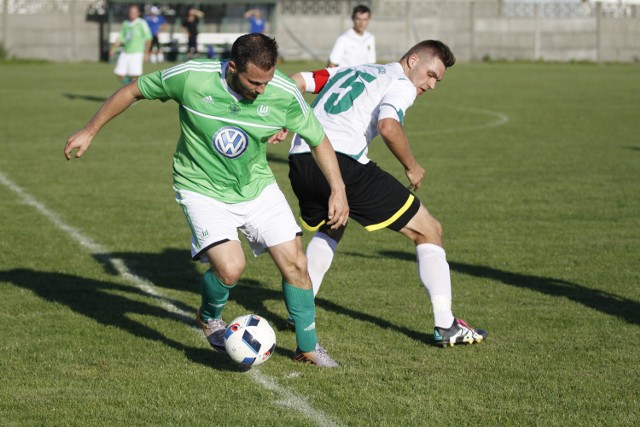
[{"x": 250, "y": 340}]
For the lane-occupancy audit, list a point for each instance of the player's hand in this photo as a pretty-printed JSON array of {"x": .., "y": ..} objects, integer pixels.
[
  {"x": 279, "y": 136},
  {"x": 415, "y": 175},
  {"x": 80, "y": 141},
  {"x": 338, "y": 209}
]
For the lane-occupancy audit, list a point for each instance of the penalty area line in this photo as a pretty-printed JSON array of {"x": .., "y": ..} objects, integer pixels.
[{"x": 288, "y": 398}]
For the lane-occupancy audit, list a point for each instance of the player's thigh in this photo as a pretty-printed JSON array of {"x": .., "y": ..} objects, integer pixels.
[
  {"x": 378, "y": 200},
  {"x": 311, "y": 189},
  {"x": 270, "y": 221},
  {"x": 211, "y": 222}
]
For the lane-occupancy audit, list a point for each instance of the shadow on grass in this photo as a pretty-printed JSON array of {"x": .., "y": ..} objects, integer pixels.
[
  {"x": 605, "y": 302},
  {"x": 274, "y": 158},
  {"x": 74, "y": 96},
  {"x": 97, "y": 300},
  {"x": 173, "y": 269}
]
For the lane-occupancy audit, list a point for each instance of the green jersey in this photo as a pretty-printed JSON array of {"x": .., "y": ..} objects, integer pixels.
[
  {"x": 222, "y": 149},
  {"x": 134, "y": 34}
]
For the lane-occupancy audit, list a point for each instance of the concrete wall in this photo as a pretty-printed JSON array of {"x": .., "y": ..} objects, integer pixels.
[
  {"x": 475, "y": 30},
  {"x": 55, "y": 30},
  {"x": 58, "y": 30}
]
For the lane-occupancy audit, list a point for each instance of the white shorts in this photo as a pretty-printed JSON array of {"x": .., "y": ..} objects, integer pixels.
[
  {"x": 129, "y": 64},
  {"x": 266, "y": 221}
]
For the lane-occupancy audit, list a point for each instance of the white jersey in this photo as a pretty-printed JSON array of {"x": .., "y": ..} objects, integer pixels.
[
  {"x": 351, "y": 102},
  {"x": 352, "y": 48}
]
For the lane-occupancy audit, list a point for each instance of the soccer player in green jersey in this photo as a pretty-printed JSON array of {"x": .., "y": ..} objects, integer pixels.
[
  {"x": 135, "y": 38},
  {"x": 229, "y": 111}
]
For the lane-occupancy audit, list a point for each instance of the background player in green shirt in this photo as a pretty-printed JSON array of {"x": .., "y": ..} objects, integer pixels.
[
  {"x": 135, "y": 38},
  {"x": 229, "y": 111}
]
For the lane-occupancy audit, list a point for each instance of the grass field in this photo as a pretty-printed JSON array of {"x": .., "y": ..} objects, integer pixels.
[{"x": 533, "y": 170}]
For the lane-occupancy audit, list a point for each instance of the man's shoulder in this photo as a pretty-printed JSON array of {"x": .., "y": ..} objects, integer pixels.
[
  {"x": 201, "y": 68},
  {"x": 283, "y": 84}
]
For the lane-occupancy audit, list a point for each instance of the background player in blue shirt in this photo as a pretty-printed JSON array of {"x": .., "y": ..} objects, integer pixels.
[
  {"x": 256, "y": 23},
  {"x": 156, "y": 23}
]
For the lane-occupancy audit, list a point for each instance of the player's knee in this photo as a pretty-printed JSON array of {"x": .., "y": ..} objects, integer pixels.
[
  {"x": 230, "y": 273},
  {"x": 426, "y": 229}
]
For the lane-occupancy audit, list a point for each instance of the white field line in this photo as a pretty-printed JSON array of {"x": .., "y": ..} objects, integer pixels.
[
  {"x": 496, "y": 119},
  {"x": 288, "y": 398}
]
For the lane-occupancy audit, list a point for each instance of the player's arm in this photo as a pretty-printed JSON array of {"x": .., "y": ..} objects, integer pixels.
[
  {"x": 311, "y": 81},
  {"x": 325, "y": 157},
  {"x": 114, "y": 46},
  {"x": 116, "y": 104},
  {"x": 393, "y": 135}
]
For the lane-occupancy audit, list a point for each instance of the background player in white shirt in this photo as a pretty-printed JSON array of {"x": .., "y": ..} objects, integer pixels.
[
  {"x": 355, "y": 105},
  {"x": 356, "y": 45}
]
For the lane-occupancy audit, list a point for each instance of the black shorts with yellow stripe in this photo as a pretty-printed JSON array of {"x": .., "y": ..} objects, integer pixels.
[{"x": 376, "y": 199}]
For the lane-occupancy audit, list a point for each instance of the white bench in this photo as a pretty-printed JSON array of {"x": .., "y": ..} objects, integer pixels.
[{"x": 219, "y": 42}]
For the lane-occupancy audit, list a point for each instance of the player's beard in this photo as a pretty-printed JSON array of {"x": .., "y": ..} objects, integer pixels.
[{"x": 237, "y": 85}]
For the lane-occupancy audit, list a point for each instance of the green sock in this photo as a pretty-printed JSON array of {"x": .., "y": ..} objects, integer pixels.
[
  {"x": 302, "y": 309},
  {"x": 214, "y": 296}
]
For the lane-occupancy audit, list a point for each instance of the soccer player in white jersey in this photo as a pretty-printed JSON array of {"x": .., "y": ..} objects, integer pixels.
[
  {"x": 354, "y": 105},
  {"x": 229, "y": 111},
  {"x": 355, "y": 46}
]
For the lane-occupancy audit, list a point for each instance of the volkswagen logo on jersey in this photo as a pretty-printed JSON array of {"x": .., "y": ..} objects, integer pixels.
[{"x": 230, "y": 141}]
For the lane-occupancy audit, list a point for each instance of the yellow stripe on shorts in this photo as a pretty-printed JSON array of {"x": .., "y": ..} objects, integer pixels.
[
  {"x": 310, "y": 228},
  {"x": 384, "y": 224}
]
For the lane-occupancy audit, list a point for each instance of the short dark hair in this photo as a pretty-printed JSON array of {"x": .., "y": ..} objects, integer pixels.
[
  {"x": 434, "y": 48},
  {"x": 360, "y": 9},
  {"x": 255, "y": 48}
]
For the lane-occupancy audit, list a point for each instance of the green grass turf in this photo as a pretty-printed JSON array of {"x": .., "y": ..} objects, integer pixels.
[{"x": 533, "y": 170}]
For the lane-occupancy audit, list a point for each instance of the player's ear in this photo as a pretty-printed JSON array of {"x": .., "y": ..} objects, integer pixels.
[
  {"x": 413, "y": 60},
  {"x": 233, "y": 68}
]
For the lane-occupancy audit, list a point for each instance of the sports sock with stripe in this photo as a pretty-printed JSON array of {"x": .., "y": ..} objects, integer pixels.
[
  {"x": 214, "y": 296},
  {"x": 302, "y": 310}
]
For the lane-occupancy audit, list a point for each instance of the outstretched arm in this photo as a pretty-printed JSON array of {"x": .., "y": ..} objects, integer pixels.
[
  {"x": 250, "y": 12},
  {"x": 116, "y": 104},
  {"x": 325, "y": 157},
  {"x": 393, "y": 135}
]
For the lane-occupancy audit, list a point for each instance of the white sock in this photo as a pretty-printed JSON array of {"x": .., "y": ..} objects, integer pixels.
[
  {"x": 319, "y": 257},
  {"x": 433, "y": 270}
]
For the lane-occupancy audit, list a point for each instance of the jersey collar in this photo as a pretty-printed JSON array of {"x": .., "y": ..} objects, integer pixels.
[{"x": 233, "y": 93}]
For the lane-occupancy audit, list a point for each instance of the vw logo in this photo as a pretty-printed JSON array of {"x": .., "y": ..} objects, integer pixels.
[{"x": 230, "y": 141}]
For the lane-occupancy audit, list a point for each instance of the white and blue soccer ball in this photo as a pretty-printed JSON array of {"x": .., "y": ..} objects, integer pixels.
[{"x": 250, "y": 340}]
